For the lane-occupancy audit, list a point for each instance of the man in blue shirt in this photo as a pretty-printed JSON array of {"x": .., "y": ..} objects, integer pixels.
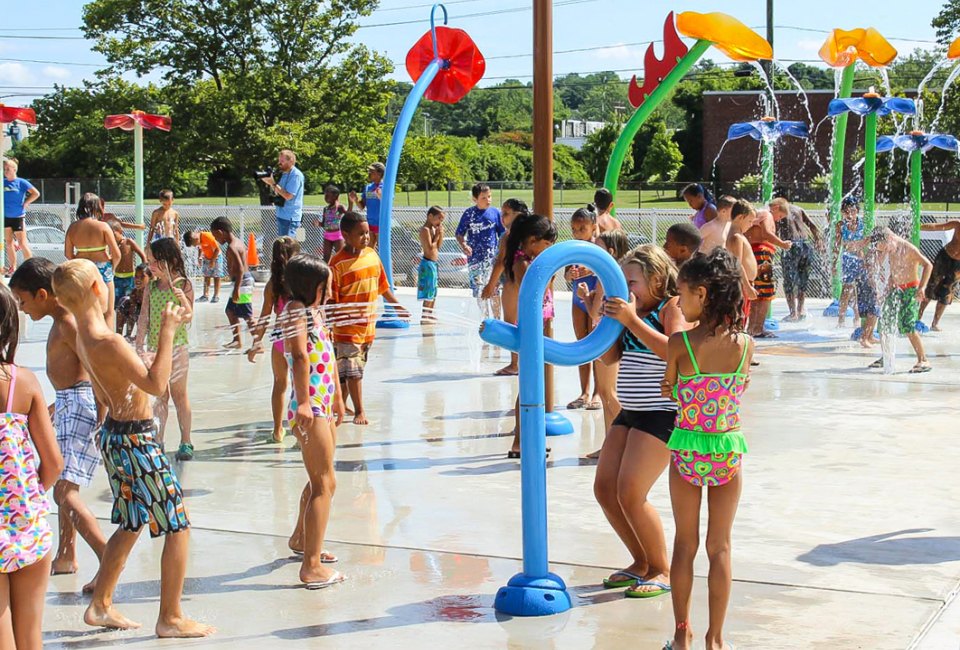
[
  {"x": 18, "y": 193},
  {"x": 478, "y": 234},
  {"x": 290, "y": 188},
  {"x": 370, "y": 201}
]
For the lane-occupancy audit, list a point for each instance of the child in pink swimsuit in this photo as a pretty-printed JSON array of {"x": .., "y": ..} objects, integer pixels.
[
  {"x": 330, "y": 222},
  {"x": 275, "y": 298},
  {"x": 30, "y": 463},
  {"x": 706, "y": 374}
]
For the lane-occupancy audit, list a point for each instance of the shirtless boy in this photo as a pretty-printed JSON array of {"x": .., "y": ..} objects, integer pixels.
[
  {"x": 240, "y": 304},
  {"x": 431, "y": 237},
  {"x": 742, "y": 216},
  {"x": 128, "y": 447},
  {"x": 764, "y": 243},
  {"x": 716, "y": 231},
  {"x": 795, "y": 226},
  {"x": 905, "y": 289},
  {"x": 74, "y": 413},
  {"x": 603, "y": 200},
  {"x": 682, "y": 242},
  {"x": 946, "y": 272},
  {"x": 165, "y": 221},
  {"x": 126, "y": 269}
]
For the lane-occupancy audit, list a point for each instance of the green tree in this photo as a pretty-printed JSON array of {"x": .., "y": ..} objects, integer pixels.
[
  {"x": 597, "y": 150},
  {"x": 566, "y": 168},
  {"x": 429, "y": 160},
  {"x": 663, "y": 159},
  {"x": 606, "y": 102},
  {"x": 947, "y": 22}
]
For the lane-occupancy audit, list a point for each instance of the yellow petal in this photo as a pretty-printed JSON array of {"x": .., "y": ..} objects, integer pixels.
[
  {"x": 954, "y": 51},
  {"x": 844, "y": 47},
  {"x": 727, "y": 34}
]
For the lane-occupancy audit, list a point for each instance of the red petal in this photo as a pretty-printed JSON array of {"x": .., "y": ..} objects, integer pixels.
[
  {"x": 466, "y": 64},
  {"x": 124, "y": 122},
  {"x": 128, "y": 121},
  {"x": 13, "y": 114}
]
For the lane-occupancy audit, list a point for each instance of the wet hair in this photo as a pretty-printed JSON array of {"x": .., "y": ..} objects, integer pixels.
[
  {"x": 89, "y": 205},
  {"x": 303, "y": 275},
  {"x": 222, "y": 224},
  {"x": 9, "y": 325},
  {"x": 685, "y": 234},
  {"x": 524, "y": 227},
  {"x": 900, "y": 226},
  {"x": 332, "y": 189},
  {"x": 616, "y": 241},
  {"x": 517, "y": 206},
  {"x": 655, "y": 264},
  {"x": 166, "y": 195},
  {"x": 725, "y": 202},
  {"x": 350, "y": 220},
  {"x": 479, "y": 189},
  {"x": 142, "y": 268},
  {"x": 719, "y": 273},
  {"x": 878, "y": 236},
  {"x": 167, "y": 250},
  {"x": 434, "y": 209},
  {"x": 587, "y": 213},
  {"x": 603, "y": 199},
  {"x": 741, "y": 207},
  {"x": 849, "y": 202},
  {"x": 780, "y": 204},
  {"x": 284, "y": 249},
  {"x": 116, "y": 226},
  {"x": 34, "y": 274},
  {"x": 696, "y": 189},
  {"x": 188, "y": 238}
]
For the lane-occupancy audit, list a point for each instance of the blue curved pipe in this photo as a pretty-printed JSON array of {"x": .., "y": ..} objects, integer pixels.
[{"x": 536, "y": 591}]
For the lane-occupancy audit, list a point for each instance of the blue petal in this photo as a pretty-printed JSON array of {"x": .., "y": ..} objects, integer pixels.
[
  {"x": 884, "y": 144},
  {"x": 743, "y": 129},
  {"x": 940, "y": 141}
]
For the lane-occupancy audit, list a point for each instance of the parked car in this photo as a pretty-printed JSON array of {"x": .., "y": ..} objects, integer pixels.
[
  {"x": 452, "y": 264},
  {"x": 47, "y": 241}
]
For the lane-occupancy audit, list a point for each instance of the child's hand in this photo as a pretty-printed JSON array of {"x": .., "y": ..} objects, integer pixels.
[
  {"x": 173, "y": 315},
  {"x": 402, "y": 312},
  {"x": 750, "y": 293},
  {"x": 304, "y": 417},
  {"x": 181, "y": 297},
  {"x": 620, "y": 310},
  {"x": 352, "y": 196},
  {"x": 489, "y": 291},
  {"x": 666, "y": 389},
  {"x": 586, "y": 295},
  {"x": 787, "y": 245}
]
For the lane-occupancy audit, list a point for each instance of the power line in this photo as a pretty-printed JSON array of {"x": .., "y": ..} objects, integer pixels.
[
  {"x": 42, "y": 38},
  {"x": 423, "y": 6},
  {"x": 494, "y": 12},
  {"x": 828, "y": 31},
  {"x": 86, "y": 65}
]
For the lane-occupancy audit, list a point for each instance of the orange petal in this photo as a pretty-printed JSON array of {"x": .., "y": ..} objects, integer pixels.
[
  {"x": 954, "y": 51},
  {"x": 844, "y": 47},
  {"x": 727, "y": 34}
]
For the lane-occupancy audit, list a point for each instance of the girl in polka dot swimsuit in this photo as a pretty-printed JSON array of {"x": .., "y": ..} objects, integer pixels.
[
  {"x": 707, "y": 375},
  {"x": 316, "y": 407}
]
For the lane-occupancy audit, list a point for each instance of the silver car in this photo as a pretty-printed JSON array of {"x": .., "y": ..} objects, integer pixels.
[
  {"x": 47, "y": 241},
  {"x": 452, "y": 264}
]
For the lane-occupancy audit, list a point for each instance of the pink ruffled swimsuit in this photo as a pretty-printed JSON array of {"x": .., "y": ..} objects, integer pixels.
[
  {"x": 707, "y": 444},
  {"x": 25, "y": 534},
  {"x": 548, "y": 310}
]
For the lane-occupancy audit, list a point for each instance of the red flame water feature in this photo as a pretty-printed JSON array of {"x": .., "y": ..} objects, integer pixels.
[{"x": 654, "y": 69}]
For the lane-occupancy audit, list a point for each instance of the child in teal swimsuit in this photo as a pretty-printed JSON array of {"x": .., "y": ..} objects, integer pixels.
[
  {"x": 169, "y": 284},
  {"x": 706, "y": 375}
]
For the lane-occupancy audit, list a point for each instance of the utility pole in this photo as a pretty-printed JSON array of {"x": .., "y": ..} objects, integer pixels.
[{"x": 768, "y": 65}]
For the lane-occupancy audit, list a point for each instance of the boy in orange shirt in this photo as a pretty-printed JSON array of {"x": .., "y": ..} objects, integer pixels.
[
  {"x": 357, "y": 279},
  {"x": 211, "y": 261}
]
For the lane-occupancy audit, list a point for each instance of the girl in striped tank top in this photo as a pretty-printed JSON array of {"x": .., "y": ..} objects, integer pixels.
[{"x": 635, "y": 453}]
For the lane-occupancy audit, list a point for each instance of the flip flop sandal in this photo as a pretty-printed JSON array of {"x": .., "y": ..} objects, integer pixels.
[
  {"x": 620, "y": 584},
  {"x": 766, "y": 335},
  {"x": 335, "y": 579},
  {"x": 876, "y": 364},
  {"x": 326, "y": 557},
  {"x": 503, "y": 372},
  {"x": 594, "y": 405},
  {"x": 920, "y": 368},
  {"x": 578, "y": 403},
  {"x": 661, "y": 589}
]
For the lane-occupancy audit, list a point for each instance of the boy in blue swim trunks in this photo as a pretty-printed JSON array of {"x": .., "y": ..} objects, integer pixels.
[
  {"x": 125, "y": 269},
  {"x": 240, "y": 304},
  {"x": 431, "y": 237},
  {"x": 145, "y": 488}
]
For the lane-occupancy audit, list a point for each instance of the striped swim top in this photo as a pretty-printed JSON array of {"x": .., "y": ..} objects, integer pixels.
[{"x": 641, "y": 371}]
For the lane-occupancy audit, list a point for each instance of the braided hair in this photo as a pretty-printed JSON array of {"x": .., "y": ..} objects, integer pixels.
[
  {"x": 526, "y": 226},
  {"x": 719, "y": 273}
]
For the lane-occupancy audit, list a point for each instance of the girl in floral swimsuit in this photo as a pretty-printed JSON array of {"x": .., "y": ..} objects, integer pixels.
[
  {"x": 316, "y": 407},
  {"x": 30, "y": 463},
  {"x": 706, "y": 375}
]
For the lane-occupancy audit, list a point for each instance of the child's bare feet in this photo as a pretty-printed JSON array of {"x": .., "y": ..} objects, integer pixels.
[
  {"x": 716, "y": 644},
  {"x": 935, "y": 328},
  {"x": 182, "y": 628},
  {"x": 360, "y": 418},
  {"x": 63, "y": 566},
  {"x": 232, "y": 345},
  {"x": 319, "y": 575},
  {"x": 109, "y": 617},
  {"x": 682, "y": 638},
  {"x": 90, "y": 586}
]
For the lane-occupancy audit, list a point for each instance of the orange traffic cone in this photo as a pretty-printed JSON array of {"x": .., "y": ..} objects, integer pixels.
[{"x": 252, "y": 258}]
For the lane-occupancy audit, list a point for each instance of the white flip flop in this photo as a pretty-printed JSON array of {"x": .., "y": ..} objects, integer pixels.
[{"x": 335, "y": 579}]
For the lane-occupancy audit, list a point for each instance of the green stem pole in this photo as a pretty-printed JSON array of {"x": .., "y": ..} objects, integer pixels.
[
  {"x": 916, "y": 189},
  {"x": 870, "y": 173},
  {"x": 650, "y": 104},
  {"x": 767, "y": 165},
  {"x": 138, "y": 177},
  {"x": 836, "y": 172}
]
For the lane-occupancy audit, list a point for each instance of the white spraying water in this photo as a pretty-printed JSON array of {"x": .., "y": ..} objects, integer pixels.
[
  {"x": 769, "y": 99},
  {"x": 943, "y": 97}
]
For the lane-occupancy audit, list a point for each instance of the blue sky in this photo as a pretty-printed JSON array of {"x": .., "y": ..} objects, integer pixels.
[{"x": 618, "y": 29}]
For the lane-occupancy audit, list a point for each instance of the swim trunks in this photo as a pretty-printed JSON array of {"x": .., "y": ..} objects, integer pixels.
[
  {"x": 943, "y": 279},
  {"x": 213, "y": 268},
  {"x": 106, "y": 271},
  {"x": 243, "y": 307},
  {"x": 866, "y": 296},
  {"x": 901, "y": 309},
  {"x": 852, "y": 268},
  {"x": 796, "y": 262},
  {"x": 123, "y": 285},
  {"x": 145, "y": 489},
  {"x": 764, "y": 282},
  {"x": 658, "y": 424},
  {"x": 478, "y": 275},
  {"x": 351, "y": 359},
  {"x": 75, "y": 420},
  {"x": 427, "y": 277}
]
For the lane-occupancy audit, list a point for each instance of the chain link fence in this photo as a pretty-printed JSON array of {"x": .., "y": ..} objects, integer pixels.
[{"x": 46, "y": 224}]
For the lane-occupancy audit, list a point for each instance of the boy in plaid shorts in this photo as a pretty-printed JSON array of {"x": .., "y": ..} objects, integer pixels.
[{"x": 74, "y": 412}]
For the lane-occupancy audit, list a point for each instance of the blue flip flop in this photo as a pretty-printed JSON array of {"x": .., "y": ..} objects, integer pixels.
[{"x": 662, "y": 588}]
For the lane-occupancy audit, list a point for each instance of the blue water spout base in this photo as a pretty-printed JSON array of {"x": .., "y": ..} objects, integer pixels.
[
  {"x": 526, "y": 596},
  {"x": 557, "y": 425},
  {"x": 392, "y": 324},
  {"x": 771, "y": 324},
  {"x": 834, "y": 310},
  {"x": 921, "y": 327}
]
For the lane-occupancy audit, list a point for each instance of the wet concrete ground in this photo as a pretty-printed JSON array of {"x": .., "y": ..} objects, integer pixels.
[{"x": 846, "y": 537}]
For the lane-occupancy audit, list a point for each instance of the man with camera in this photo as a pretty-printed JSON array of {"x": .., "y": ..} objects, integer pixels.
[{"x": 287, "y": 193}]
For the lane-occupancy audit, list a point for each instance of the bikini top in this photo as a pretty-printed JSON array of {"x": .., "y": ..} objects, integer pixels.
[
  {"x": 96, "y": 249},
  {"x": 708, "y": 417},
  {"x": 851, "y": 235}
]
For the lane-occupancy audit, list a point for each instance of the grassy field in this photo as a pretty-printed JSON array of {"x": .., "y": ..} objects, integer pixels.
[{"x": 561, "y": 199}]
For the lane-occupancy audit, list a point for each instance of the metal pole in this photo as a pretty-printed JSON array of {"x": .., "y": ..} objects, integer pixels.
[
  {"x": 916, "y": 191},
  {"x": 870, "y": 173},
  {"x": 138, "y": 177},
  {"x": 768, "y": 65}
]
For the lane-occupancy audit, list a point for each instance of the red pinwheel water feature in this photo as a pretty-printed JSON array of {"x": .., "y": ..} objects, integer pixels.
[
  {"x": 463, "y": 64},
  {"x": 128, "y": 121},
  {"x": 14, "y": 114}
]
